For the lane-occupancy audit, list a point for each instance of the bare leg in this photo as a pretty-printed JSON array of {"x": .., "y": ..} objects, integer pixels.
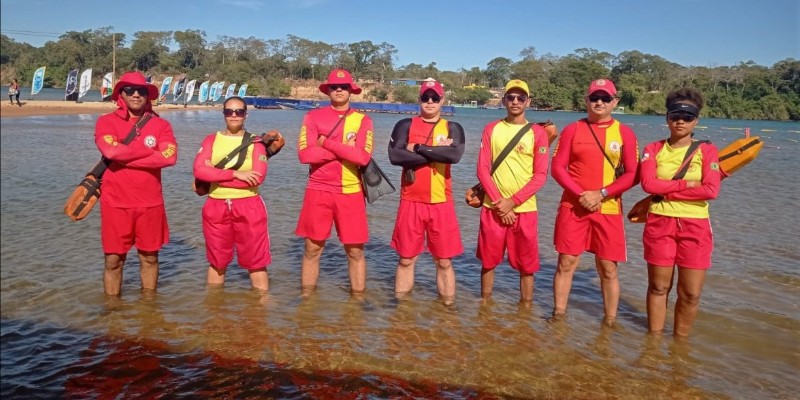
[
  {"x": 215, "y": 276},
  {"x": 445, "y": 280},
  {"x": 357, "y": 267},
  {"x": 562, "y": 281},
  {"x": 148, "y": 270},
  {"x": 525, "y": 287},
  {"x": 690, "y": 286},
  {"x": 487, "y": 283},
  {"x": 404, "y": 277},
  {"x": 309, "y": 271},
  {"x": 659, "y": 284},
  {"x": 259, "y": 279},
  {"x": 609, "y": 286},
  {"x": 112, "y": 273}
]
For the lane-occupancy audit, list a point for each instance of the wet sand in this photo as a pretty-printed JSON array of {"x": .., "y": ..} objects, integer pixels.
[{"x": 50, "y": 107}]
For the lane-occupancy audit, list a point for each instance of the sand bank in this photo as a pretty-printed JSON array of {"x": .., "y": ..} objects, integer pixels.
[{"x": 51, "y": 107}]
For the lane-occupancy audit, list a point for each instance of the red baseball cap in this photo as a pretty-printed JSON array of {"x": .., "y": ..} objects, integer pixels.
[
  {"x": 603, "y": 85},
  {"x": 431, "y": 85},
  {"x": 340, "y": 77}
]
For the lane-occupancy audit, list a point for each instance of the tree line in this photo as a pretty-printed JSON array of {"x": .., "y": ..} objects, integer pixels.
[{"x": 269, "y": 66}]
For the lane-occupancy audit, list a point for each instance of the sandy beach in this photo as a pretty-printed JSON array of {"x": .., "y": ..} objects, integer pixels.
[{"x": 51, "y": 107}]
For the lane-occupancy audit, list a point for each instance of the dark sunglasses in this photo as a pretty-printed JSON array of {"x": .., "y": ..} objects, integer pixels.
[
  {"x": 130, "y": 90},
  {"x": 511, "y": 97},
  {"x": 240, "y": 112},
  {"x": 681, "y": 116},
  {"x": 605, "y": 99},
  {"x": 333, "y": 88},
  {"x": 425, "y": 97}
]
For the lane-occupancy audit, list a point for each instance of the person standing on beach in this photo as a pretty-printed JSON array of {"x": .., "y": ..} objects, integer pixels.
[
  {"x": 234, "y": 215},
  {"x": 335, "y": 141},
  {"x": 13, "y": 92},
  {"x": 425, "y": 146},
  {"x": 595, "y": 161},
  {"x": 132, "y": 204},
  {"x": 678, "y": 228},
  {"x": 509, "y": 218}
]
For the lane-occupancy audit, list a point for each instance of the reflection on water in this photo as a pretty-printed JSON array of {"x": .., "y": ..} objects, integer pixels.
[{"x": 61, "y": 337}]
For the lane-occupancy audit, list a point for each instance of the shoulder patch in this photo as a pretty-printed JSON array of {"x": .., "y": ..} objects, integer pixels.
[
  {"x": 542, "y": 150},
  {"x": 263, "y": 158},
  {"x": 715, "y": 166}
]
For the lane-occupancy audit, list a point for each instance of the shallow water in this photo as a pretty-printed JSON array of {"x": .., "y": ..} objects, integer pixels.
[{"x": 62, "y": 338}]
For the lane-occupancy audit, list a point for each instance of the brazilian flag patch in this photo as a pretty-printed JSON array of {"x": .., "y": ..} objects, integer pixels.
[
  {"x": 715, "y": 166},
  {"x": 542, "y": 150},
  {"x": 262, "y": 158}
]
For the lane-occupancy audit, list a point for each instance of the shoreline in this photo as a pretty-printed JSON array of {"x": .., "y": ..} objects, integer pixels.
[{"x": 32, "y": 108}]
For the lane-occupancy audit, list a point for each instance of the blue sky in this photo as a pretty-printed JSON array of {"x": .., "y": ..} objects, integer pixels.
[{"x": 453, "y": 34}]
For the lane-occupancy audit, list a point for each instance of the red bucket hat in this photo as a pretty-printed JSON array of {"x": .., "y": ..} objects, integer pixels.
[
  {"x": 134, "y": 79},
  {"x": 340, "y": 77}
]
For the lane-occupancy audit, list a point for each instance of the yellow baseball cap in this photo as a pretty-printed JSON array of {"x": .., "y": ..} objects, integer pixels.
[{"x": 517, "y": 84}]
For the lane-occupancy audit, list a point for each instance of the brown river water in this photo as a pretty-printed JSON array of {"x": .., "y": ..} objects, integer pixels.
[{"x": 61, "y": 338}]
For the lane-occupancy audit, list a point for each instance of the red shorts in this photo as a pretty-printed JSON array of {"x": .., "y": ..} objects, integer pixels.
[
  {"x": 143, "y": 227},
  {"x": 322, "y": 209},
  {"x": 601, "y": 234},
  {"x": 521, "y": 240},
  {"x": 685, "y": 242},
  {"x": 239, "y": 224},
  {"x": 438, "y": 221}
]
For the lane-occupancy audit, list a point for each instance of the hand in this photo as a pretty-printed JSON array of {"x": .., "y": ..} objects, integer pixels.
[
  {"x": 591, "y": 200},
  {"x": 410, "y": 147},
  {"x": 446, "y": 142},
  {"x": 320, "y": 140},
  {"x": 208, "y": 163},
  {"x": 351, "y": 141},
  {"x": 693, "y": 184},
  {"x": 508, "y": 219},
  {"x": 251, "y": 177},
  {"x": 503, "y": 206}
]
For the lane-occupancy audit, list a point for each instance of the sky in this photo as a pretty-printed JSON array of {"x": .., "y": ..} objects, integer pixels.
[{"x": 452, "y": 34}]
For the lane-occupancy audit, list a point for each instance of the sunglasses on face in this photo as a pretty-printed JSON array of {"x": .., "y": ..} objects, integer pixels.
[
  {"x": 240, "y": 112},
  {"x": 511, "y": 97},
  {"x": 130, "y": 90},
  {"x": 425, "y": 97},
  {"x": 605, "y": 99},
  {"x": 334, "y": 88},
  {"x": 681, "y": 116}
]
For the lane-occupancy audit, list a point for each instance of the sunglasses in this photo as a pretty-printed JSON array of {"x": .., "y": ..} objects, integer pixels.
[
  {"x": 605, "y": 99},
  {"x": 240, "y": 112},
  {"x": 130, "y": 90},
  {"x": 334, "y": 88},
  {"x": 425, "y": 97},
  {"x": 681, "y": 116},
  {"x": 511, "y": 97}
]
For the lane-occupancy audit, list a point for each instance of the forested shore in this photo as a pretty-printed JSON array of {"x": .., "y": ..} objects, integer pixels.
[{"x": 271, "y": 66}]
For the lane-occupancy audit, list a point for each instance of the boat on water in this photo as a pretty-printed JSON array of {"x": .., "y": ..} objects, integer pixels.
[
  {"x": 296, "y": 106},
  {"x": 618, "y": 110}
]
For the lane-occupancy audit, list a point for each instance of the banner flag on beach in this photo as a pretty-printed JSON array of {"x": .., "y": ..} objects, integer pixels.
[
  {"x": 202, "y": 97},
  {"x": 189, "y": 91},
  {"x": 38, "y": 80},
  {"x": 86, "y": 83},
  {"x": 72, "y": 83},
  {"x": 177, "y": 89},
  {"x": 242, "y": 90},
  {"x": 218, "y": 92},
  {"x": 164, "y": 87},
  {"x": 106, "y": 87},
  {"x": 231, "y": 89}
]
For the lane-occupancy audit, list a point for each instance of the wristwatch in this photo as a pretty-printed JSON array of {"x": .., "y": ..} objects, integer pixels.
[
  {"x": 604, "y": 192},
  {"x": 416, "y": 148}
]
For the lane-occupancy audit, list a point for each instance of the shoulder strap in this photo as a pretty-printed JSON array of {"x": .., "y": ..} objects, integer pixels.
[
  {"x": 138, "y": 125},
  {"x": 510, "y": 146},
  {"x": 240, "y": 151},
  {"x": 687, "y": 159},
  {"x": 602, "y": 149}
]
